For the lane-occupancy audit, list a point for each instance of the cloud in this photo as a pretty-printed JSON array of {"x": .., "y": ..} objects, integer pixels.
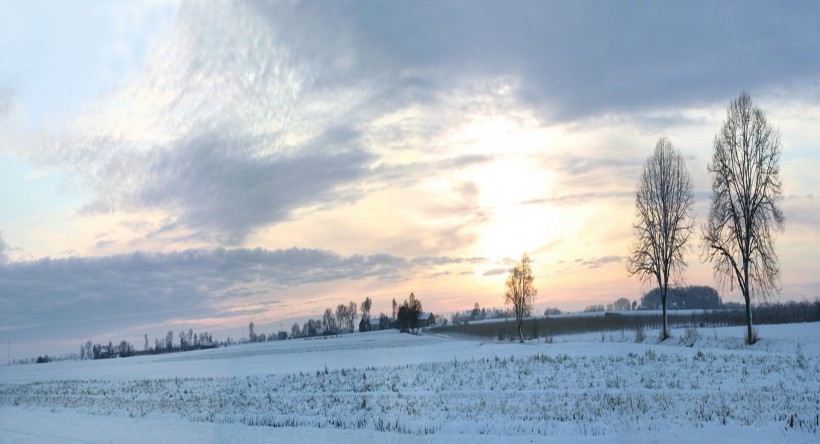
[
  {"x": 226, "y": 135},
  {"x": 6, "y": 103},
  {"x": 583, "y": 58},
  {"x": 446, "y": 260},
  {"x": 248, "y": 112},
  {"x": 92, "y": 295},
  {"x": 496, "y": 271},
  {"x": 598, "y": 262},
  {"x": 579, "y": 198},
  {"x": 4, "y": 247},
  {"x": 212, "y": 185}
]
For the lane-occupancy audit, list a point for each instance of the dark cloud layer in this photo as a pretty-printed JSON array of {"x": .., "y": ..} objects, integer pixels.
[
  {"x": 87, "y": 296},
  {"x": 584, "y": 58}
]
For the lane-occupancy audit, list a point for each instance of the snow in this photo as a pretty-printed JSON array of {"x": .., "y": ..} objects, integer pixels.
[{"x": 386, "y": 386}]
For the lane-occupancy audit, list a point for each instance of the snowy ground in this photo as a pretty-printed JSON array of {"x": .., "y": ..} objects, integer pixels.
[{"x": 385, "y": 386}]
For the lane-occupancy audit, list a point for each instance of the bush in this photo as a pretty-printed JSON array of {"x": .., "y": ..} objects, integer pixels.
[
  {"x": 690, "y": 336},
  {"x": 639, "y": 334}
]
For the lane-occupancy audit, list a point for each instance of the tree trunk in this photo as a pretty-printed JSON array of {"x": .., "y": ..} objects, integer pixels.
[
  {"x": 749, "y": 336},
  {"x": 665, "y": 334},
  {"x": 747, "y": 297},
  {"x": 520, "y": 334}
]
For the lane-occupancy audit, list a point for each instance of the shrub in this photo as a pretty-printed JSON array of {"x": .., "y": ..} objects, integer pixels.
[{"x": 639, "y": 334}]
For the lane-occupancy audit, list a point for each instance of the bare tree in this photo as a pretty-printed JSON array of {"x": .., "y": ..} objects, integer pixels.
[
  {"x": 329, "y": 322},
  {"x": 520, "y": 291},
  {"x": 251, "y": 332},
  {"x": 738, "y": 238},
  {"x": 342, "y": 317},
  {"x": 352, "y": 314},
  {"x": 364, "y": 324},
  {"x": 663, "y": 210}
]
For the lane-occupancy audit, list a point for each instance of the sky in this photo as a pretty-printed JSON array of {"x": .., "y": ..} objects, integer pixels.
[{"x": 176, "y": 165}]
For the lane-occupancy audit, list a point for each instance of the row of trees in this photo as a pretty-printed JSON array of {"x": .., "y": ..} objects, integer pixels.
[
  {"x": 699, "y": 297},
  {"x": 187, "y": 341},
  {"x": 343, "y": 319},
  {"x": 691, "y": 297},
  {"x": 744, "y": 214}
]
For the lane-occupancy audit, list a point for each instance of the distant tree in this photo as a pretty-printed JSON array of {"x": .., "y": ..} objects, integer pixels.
[
  {"x": 169, "y": 340},
  {"x": 634, "y": 305},
  {"x": 341, "y": 317},
  {"x": 329, "y": 322},
  {"x": 621, "y": 304},
  {"x": 311, "y": 327},
  {"x": 594, "y": 308},
  {"x": 520, "y": 292},
  {"x": 88, "y": 347},
  {"x": 663, "y": 210},
  {"x": 182, "y": 345},
  {"x": 384, "y": 322},
  {"x": 145, "y": 345},
  {"x": 125, "y": 349},
  {"x": 294, "y": 330},
  {"x": 692, "y": 297},
  {"x": 403, "y": 318},
  {"x": 408, "y": 315},
  {"x": 251, "y": 332},
  {"x": 551, "y": 311},
  {"x": 744, "y": 212},
  {"x": 394, "y": 308},
  {"x": 476, "y": 312},
  {"x": 415, "y": 311},
  {"x": 364, "y": 324},
  {"x": 190, "y": 337},
  {"x": 352, "y": 314}
]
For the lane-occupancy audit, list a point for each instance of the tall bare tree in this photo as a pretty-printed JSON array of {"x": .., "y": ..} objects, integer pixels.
[
  {"x": 663, "y": 220},
  {"x": 738, "y": 238},
  {"x": 520, "y": 291},
  {"x": 352, "y": 314}
]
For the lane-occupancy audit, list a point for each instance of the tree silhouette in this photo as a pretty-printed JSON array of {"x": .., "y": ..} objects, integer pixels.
[
  {"x": 663, "y": 209},
  {"x": 520, "y": 291},
  {"x": 738, "y": 238}
]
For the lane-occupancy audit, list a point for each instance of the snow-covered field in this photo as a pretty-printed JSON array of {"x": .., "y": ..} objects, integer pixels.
[{"x": 388, "y": 387}]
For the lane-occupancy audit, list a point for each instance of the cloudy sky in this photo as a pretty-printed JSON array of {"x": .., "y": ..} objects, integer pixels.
[{"x": 203, "y": 165}]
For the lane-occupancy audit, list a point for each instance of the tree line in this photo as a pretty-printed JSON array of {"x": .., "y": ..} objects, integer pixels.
[{"x": 187, "y": 341}]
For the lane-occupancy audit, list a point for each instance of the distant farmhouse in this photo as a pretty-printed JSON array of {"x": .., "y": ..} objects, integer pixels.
[{"x": 426, "y": 319}]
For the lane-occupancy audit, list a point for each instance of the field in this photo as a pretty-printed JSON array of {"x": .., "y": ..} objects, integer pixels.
[{"x": 389, "y": 387}]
